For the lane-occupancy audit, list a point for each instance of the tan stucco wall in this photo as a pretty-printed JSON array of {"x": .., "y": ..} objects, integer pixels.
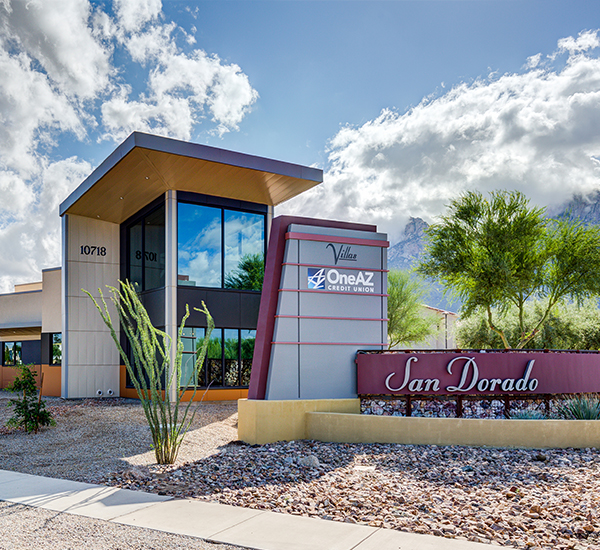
[
  {"x": 262, "y": 421},
  {"x": 51, "y": 301},
  {"x": 51, "y": 385},
  {"x": 28, "y": 287},
  {"x": 21, "y": 309},
  {"x": 340, "y": 421},
  {"x": 534, "y": 434}
]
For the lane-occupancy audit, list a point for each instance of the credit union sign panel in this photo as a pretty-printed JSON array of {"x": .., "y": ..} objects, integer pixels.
[{"x": 331, "y": 302}]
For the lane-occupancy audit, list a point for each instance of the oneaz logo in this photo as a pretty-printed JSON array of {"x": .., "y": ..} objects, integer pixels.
[
  {"x": 316, "y": 278},
  {"x": 322, "y": 278}
]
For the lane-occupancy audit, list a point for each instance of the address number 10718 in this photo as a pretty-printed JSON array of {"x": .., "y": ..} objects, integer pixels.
[{"x": 88, "y": 250}]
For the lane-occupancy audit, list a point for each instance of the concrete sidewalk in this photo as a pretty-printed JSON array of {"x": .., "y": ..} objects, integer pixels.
[{"x": 257, "y": 529}]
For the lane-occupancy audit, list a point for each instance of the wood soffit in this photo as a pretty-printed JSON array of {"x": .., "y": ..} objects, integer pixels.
[
  {"x": 10, "y": 334},
  {"x": 143, "y": 175}
]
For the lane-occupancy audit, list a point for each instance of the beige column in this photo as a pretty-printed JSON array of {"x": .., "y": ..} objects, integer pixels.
[
  {"x": 64, "y": 371},
  {"x": 171, "y": 321}
]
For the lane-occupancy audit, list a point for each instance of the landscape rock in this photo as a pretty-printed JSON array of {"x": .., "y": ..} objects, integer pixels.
[{"x": 310, "y": 461}]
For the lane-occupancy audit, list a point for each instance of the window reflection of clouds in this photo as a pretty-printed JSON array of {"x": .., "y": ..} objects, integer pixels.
[
  {"x": 244, "y": 234},
  {"x": 199, "y": 245}
]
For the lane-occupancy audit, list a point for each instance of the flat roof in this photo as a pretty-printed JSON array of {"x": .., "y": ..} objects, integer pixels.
[{"x": 145, "y": 166}]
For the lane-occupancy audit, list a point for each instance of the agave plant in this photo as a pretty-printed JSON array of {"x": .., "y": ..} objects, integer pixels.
[
  {"x": 528, "y": 414},
  {"x": 580, "y": 407},
  {"x": 150, "y": 369}
]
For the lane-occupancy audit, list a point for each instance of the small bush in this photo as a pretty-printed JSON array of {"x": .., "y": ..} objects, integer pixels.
[
  {"x": 29, "y": 410},
  {"x": 581, "y": 407},
  {"x": 528, "y": 414}
]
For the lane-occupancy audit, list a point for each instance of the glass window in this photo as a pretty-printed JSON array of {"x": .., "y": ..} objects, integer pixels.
[
  {"x": 232, "y": 357},
  {"x": 154, "y": 249},
  {"x": 214, "y": 359},
  {"x": 12, "y": 353},
  {"x": 228, "y": 359},
  {"x": 199, "y": 245},
  {"x": 244, "y": 250},
  {"x": 56, "y": 349},
  {"x": 248, "y": 338},
  {"x": 146, "y": 241},
  {"x": 135, "y": 254},
  {"x": 191, "y": 340}
]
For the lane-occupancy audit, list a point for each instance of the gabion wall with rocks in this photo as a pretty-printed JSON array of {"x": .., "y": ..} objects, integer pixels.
[{"x": 474, "y": 406}]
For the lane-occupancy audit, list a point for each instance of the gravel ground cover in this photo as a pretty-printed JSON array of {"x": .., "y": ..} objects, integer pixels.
[
  {"x": 515, "y": 498},
  {"x": 94, "y": 437}
]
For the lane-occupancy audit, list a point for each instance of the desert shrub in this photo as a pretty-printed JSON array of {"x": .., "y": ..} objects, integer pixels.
[
  {"x": 157, "y": 381},
  {"x": 29, "y": 410},
  {"x": 570, "y": 325},
  {"x": 581, "y": 407},
  {"x": 528, "y": 414}
]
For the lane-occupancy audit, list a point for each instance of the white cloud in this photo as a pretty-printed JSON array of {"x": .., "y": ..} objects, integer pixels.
[
  {"x": 171, "y": 116},
  {"x": 533, "y": 61},
  {"x": 17, "y": 196},
  {"x": 587, "y": 40},
  {"x": 56, "y": 33},
  {"x": 232, "y": 97},
  {"x": 537, "y": 131},
  {"x": 132, "y": 16},
  {"x": 56, "y": 64},
  {"x": 59, "y": 83},
  {"x": 32, "y": 237},
  {"x": 181, "y": 86}
]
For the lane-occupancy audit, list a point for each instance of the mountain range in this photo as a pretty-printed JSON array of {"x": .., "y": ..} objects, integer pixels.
[{"x": 406, "y": 253}]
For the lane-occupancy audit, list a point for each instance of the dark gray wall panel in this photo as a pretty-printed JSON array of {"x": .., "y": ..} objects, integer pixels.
[
  {"x": 31, "y": 352},
  {"x": 229, "y": 308},
  {"x": 45, "y": 348},
  {"x": 249, "y": 306},
  {"x": 154, "y": 302}
]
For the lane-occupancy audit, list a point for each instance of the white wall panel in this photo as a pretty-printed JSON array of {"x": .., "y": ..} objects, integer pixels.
[{"x": 91, "y": 359}]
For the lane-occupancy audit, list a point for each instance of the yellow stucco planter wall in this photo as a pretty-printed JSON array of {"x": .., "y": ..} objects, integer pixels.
[
  {"x": 261, "y": 421},
  {"x": 534, "y": 434}
]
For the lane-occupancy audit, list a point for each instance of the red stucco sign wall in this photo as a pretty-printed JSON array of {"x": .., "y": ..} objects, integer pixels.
[{"x": 467, "y": 373}]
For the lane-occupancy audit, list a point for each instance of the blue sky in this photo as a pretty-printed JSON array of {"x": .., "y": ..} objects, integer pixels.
[
  {"x": 403, "y": 104},
  {"x": 318, "y": 65}
]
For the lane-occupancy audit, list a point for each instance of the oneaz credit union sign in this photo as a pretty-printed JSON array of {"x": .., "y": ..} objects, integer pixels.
[
  {"x": 339, "y": 280},
  {"x": 477, "y": 373}
]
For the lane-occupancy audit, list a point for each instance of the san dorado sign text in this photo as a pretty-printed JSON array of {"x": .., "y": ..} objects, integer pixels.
[{"x": 465, "y": 373}]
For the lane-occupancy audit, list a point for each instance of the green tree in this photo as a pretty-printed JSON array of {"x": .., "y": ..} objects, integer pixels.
[
  {"x": 406, "y": 320},
  {"x": 500, "y": 252},
  {"x": 569, "y": 326},
  {"x": 248, "y": 275}
]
